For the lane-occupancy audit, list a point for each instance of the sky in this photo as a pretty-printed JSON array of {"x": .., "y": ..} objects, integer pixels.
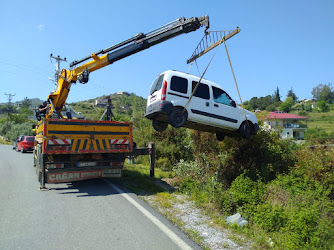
[{"x": 284, "y": 44}]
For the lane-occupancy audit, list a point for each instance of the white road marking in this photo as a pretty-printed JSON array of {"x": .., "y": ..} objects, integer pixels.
[{"x": 176, "y": 239}]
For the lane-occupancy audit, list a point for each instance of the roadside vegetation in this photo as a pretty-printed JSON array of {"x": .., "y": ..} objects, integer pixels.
[
  {"x": 283, "y": 189},
  {"x": 14, "y": 122}
]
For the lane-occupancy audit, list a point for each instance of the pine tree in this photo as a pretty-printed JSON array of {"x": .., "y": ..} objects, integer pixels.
[{"x": 276, "y": 97}]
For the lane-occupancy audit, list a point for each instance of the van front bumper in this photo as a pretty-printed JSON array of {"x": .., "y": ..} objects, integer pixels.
[{"x": 158, "y": 109}]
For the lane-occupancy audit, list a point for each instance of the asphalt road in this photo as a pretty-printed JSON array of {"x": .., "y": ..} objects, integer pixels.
[{"x": 92, "y": 214}]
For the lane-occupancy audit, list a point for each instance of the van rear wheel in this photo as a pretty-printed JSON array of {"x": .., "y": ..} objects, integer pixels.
[
  {"x": 220, "y": 137},
  {"x": 178, "y": 117},
  {"x": 159, "y": 126}
]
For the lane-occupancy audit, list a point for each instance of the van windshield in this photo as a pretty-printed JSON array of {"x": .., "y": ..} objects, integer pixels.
[{"x": 156, "y": 85}]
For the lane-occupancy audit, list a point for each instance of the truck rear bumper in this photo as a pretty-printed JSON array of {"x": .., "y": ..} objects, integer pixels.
[{"x": 70, "y": 175}]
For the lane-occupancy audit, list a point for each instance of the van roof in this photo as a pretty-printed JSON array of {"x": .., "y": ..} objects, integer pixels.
[{"x": 186, "y": 75}]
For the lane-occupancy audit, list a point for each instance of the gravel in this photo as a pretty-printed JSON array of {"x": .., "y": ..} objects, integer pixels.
[{"x": 194, "y": 220}]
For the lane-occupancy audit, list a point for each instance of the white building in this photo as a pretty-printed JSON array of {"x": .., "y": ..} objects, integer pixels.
[{"x": 289, "y": 125}]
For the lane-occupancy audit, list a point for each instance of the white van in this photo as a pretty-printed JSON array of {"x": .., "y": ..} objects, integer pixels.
[{"x": 210, "y": 109}]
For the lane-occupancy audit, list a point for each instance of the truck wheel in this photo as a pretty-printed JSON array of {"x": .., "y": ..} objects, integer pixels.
[
  {"x": 34, "y": 155},
  {"x": 245, "y": 130},
  {"x": 178, "y": 117},
  {"x": 38, "y": 163},
  {"x": 159, "y": 126}
]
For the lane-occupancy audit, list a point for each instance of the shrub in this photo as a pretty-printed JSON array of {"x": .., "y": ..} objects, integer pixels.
[
  {"x": 243, "y": 194},
  {"x": 19, "y": 129},
  {"x": 264, "y": 154},
  {"x": 323, "y": 106},
  {"x": 164, "y": 164},
  {"x": 188, "y": 169}
]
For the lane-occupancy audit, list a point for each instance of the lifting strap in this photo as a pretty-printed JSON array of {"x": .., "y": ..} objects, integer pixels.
[
  {"x": 235, "y": 80},
  {"x": 194, "y": 90},
  {"x": 195, "y": 56}
]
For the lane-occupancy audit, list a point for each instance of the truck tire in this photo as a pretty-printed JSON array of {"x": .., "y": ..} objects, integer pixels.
[
  {"x": 178, "y": 117},
  {"x": 39, "y": 163}
]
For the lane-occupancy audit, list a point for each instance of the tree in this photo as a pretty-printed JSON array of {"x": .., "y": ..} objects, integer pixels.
[
  {"x": 323, "y": 106},
  {"x": 292, "y": 94},
  {"x": 271, "y": 107},
  {"x": 26, "y": 103},
  {"x": 276, "y": 96},
  {"x": 287, "y": 104},
  {"x": 323, "y": 92},
  {"x": 6, "y": 108}
]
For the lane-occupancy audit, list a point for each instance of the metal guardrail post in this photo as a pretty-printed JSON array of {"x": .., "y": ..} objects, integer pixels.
[{"x": 151, "y": 149}]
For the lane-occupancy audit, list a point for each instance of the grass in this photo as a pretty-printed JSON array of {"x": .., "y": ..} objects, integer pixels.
[
  {"x": 321, "y": 120},
  {"x": 3, "y": 141},
  {"x": 137, "y": 178},
  {"x": 324, "y": 120}
]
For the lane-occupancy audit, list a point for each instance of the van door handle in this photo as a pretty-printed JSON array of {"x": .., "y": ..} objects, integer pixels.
[
  {"x": 207, "y": 104},
  {"x": 216, "y": 105}
]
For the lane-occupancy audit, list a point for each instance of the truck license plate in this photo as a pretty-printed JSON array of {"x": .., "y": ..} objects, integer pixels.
[
  {"x": 111, "y": 171},
  {"x": 86, "y": 164}
]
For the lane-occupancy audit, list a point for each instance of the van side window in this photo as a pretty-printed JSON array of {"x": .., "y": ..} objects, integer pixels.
[
  {"x": 179, "y": 84},
  {"x": 221, "y": 96},
  {"x": 157, "y": 84},
  {"x": 202, "y": 91}
]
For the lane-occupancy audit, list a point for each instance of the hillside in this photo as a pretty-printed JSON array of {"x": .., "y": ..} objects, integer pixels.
[{"x": 124, "y": 107}]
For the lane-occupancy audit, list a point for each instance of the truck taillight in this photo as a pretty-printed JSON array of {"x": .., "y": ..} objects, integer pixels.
[{"x": 164, "y": 91}]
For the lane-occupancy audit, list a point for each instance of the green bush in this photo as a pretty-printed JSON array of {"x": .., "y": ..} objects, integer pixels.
[
  {"x": 264, "y": 154},
  {"x": 323, "y": 106},
  {"x": 164, "y": 164},
  {"x": 188, "y": 169},
  {"x": 19, "y": 129}
]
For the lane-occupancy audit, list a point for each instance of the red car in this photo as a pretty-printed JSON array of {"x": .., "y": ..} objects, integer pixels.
[{"x": 26, "y": 144}]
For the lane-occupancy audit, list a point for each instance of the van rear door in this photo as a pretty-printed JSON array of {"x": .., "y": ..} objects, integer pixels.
[{"x": 155, "y": 91}]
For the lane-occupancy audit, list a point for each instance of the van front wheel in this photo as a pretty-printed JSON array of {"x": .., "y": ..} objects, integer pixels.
[
  {"x": 245, "y": 130},
  {"x": 177, "y": 118},
  {"x": 159, "y": 126}
]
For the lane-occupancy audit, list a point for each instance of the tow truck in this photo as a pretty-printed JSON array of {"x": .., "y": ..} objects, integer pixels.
[{"x": 68, "y": 150}]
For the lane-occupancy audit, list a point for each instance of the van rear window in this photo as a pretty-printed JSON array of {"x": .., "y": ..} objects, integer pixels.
[
  {"x": 156, "y": 85},
  {"x": 179, "y": 84},
  {"x": 202, "y": 91}
]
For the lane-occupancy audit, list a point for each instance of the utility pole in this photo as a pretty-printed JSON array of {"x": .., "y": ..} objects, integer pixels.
[
  {"x": 9, "y": 104},
  {"x": 9, "y": 98},
  {"x": 58, "y": 59}
]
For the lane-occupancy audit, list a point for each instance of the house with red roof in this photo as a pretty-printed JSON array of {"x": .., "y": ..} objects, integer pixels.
[{"x": 289, "y": 125}]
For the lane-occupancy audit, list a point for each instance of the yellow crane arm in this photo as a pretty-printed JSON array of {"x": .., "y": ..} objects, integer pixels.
[{"x": 117, "y": 52}]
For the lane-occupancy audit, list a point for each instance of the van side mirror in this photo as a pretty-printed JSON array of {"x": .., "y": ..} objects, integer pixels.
[
  {"x": 33, "y": 126},
  {"x": 233, "y": 103}
]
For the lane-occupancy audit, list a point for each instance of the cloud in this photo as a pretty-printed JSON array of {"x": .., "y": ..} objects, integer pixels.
[{"x": 41, "y": 27}]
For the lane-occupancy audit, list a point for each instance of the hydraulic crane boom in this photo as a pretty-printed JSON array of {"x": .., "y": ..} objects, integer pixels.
[{"x": 117, "y": 52}]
